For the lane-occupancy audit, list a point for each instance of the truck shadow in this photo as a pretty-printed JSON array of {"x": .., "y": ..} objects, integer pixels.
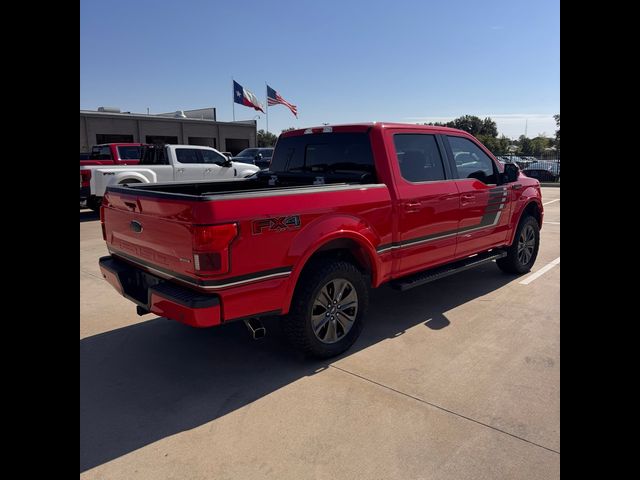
[{"x": 154, "y": 379}]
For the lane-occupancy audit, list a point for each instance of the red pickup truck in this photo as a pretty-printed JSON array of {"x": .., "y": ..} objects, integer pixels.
[
  {"x": 342, "y": 209},
  {"x": 114, "y": 154}
]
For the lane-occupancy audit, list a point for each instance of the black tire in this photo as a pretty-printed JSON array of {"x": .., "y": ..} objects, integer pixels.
[
  {"x": 297, "y": 324},
  {"x": 517, "y": 261},
  {"x": 94, "y": 203}
]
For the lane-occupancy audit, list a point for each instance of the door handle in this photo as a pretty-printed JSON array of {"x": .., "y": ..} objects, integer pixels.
[
  {"x": 208, "y": 170},
  {"x": 466, "y": 199},
  {"x": 180, "y": 170},
  {"x": 516, "y": 186},
  {"x": 412, "y": 207}
]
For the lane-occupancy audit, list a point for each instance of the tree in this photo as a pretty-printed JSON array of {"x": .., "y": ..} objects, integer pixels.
[
  {"x": 538, "y": 144},
  {"x": 557, "y": 118},
  {"x": 288, "y": 129},
  {"x": 489, "y": 127},
  {"x": 472, "y": 124},
  {"x": 526, "y": 146},
  {"x": 497, "y": 146},
  {"x": 266, "y": 139}
]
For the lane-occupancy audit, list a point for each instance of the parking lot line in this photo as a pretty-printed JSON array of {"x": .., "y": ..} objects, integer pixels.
[
  {"x": 553, "y": 223},
  {"x": 540, "y": 272},
  {"x": 551, "y": 201}
]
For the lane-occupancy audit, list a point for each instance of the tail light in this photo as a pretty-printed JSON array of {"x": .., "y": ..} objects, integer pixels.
[
  {"x": 85, "y": 175},
  {"x": 211, "y": 247}
]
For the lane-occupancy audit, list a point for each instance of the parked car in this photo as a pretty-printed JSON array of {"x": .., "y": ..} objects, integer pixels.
[
  {"x": 114, "y": 154},
  {"x": 543, "y": 170},
  {"x": 255, "y": 156},
  {"x": 161, "y": 163},
  {"x": 84, "y": 155},
  {"x": 342, "y": 209}
]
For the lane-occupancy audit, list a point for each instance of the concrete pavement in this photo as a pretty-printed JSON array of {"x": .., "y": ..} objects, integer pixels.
[{"x": 456, "y": 379}]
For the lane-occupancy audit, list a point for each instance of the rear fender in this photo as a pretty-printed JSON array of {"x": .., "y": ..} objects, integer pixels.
[
  {"x": 124, "y": 177},
  {"x": 319, "y": 234}
]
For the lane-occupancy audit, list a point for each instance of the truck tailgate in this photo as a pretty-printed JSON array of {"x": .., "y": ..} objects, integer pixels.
[{"x": 157, "y": 232}]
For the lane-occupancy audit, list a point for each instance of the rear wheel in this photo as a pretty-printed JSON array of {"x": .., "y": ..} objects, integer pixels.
[
  {"x": 327, "y": 309},
  {"x": 521, "y": 255}
]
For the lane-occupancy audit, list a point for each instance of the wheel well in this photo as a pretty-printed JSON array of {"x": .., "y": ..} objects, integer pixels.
[
  {"x": 342, "y": 249},
  {"x": 533, "y": 210},
  {"x": 129, "y": 180}
]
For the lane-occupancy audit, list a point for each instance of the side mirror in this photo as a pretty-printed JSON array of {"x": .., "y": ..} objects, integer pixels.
[
  {"x": 258, "y": 156},
  {"x": 511, "y": 172},
  {"x": 227, "y": 163}
]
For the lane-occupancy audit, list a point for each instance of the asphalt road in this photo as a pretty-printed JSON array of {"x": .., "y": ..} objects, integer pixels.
[{"x": 457, "y": 379}]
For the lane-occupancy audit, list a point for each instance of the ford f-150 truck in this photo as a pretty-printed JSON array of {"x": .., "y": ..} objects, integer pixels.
[
  {"x": 161, "y": 164},
  {"x": 342, "y": 209}
]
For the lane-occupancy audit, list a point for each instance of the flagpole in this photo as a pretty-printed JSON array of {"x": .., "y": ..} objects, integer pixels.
[
  {"x": 267, "y": 104},
  {"x": 233, "y": 99}
]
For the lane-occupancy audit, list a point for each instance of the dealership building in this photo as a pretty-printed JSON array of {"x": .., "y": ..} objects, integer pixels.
[{"x": 189, "y": 127}]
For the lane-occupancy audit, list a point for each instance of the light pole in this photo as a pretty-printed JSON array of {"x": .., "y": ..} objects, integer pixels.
[{"x": 255, "y": 120}]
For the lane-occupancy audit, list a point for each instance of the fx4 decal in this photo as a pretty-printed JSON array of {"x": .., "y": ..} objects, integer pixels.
[{"x": 275, "y": 224}]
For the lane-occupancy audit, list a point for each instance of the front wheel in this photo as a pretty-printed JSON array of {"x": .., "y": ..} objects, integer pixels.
[
  {"x": 521, "y": 255},
  {"x": 327, "y": 309}
]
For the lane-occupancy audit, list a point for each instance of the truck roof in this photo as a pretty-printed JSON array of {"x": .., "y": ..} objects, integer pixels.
[{"x": 364, "y": 126}]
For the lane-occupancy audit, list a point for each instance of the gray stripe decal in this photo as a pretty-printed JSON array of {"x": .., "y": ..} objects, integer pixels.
[{"x": 490, "y": 218}]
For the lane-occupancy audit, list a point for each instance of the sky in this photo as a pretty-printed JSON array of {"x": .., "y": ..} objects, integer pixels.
[{"x": 338, "y": 61}]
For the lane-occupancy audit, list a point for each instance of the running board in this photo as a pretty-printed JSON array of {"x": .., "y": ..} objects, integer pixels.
[{"x": 437, "y": 273}]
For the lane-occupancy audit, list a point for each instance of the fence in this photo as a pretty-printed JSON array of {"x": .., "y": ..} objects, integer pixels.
[{"x": 544, "y": 167}]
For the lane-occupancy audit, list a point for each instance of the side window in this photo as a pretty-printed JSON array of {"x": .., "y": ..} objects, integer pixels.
[
  {"x": 188, "y": 155},
  {"x": 419, "y": 157},
  {"x": 471, "y": 161},
  {"x": 209, "y": 156}
]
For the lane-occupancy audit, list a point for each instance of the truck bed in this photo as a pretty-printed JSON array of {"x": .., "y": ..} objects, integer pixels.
[{"x": 262, "y": 184}]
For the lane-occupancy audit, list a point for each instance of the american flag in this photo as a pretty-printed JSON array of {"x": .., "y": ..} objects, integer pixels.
[{"x": 274, "y": 98}]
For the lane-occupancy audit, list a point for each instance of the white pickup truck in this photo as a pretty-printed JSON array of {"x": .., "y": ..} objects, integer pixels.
[{"x": 161, "y": 163}]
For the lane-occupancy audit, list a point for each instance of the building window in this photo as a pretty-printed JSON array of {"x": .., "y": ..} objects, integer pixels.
[
  {"x": 204, "y": 141},
  {"x": 113, "y": 138},
  {"x": 161, "y": 139}
]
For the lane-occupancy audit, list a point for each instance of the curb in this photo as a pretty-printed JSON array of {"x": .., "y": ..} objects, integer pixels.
[{"x": 546, "y": 184}]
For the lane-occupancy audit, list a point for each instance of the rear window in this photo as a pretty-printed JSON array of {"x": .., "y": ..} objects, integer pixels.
[
  {"x": 129, "y": 153},
  {"x": 323, "y": 153}
]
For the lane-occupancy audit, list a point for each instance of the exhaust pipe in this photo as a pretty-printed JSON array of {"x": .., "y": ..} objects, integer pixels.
[{"x": 256, "y": 328}]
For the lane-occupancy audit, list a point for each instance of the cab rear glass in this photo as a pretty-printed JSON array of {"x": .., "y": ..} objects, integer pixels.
[{"x": 323, "y": 153}]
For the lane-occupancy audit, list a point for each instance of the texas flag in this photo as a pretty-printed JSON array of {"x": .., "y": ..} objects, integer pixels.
[{"x": 245, "y": 97}]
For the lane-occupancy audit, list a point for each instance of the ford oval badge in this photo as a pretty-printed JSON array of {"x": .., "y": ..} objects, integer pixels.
[{"x": 135, "y": 226}]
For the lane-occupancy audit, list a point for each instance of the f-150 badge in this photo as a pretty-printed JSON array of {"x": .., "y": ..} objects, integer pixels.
[{"x": 275, "y": 224}]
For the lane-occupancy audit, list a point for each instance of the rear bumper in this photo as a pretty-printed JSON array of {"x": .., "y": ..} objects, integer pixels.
[{"x": 160, "y": 296}]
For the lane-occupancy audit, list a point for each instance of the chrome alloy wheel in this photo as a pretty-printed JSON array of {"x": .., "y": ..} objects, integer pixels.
[
  {"x": 334, "y": 310},
  {"x": 526, "y": 245}
]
